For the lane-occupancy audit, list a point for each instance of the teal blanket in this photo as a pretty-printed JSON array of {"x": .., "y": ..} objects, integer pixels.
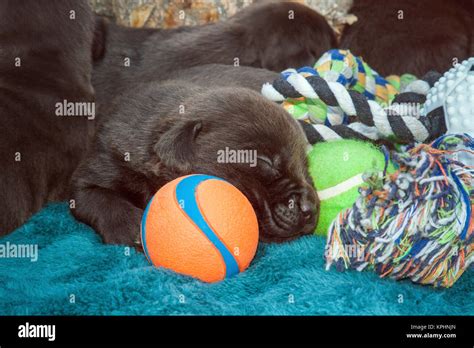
[{"x": 75, "y": 274}]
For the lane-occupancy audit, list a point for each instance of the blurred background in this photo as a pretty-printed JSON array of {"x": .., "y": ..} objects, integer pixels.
[{"x": 174, "y": 13}]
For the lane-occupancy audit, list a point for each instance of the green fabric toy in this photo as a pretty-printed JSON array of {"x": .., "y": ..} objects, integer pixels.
[{"x": 338, "y": 169}]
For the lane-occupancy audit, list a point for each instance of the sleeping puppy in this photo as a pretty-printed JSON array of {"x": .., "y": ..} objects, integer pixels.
[
  {"x": 269, "y": 35},
  {"x": 111, "y": 192},
  {"x": 274, "y": 36},
  {"x": 45, "y": 58},
  {"x": 147, "y": 142},
  {"x": 406, "y": 36}
]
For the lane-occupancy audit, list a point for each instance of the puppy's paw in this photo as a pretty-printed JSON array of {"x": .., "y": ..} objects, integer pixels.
[
  {"x": 124, "y": 230},
  {"x": 113, "y": 217}
]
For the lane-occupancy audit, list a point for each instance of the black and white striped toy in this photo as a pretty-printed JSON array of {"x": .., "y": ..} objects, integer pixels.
[{"x": 401, "y": 122}]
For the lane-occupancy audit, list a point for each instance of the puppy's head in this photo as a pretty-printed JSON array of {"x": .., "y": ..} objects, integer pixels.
[
  {"x": 236, "y": 134},
  {"x": 282, "y": 34}
]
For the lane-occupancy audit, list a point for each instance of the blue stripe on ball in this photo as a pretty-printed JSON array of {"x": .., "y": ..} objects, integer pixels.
[{"x": 186, "y": 192}]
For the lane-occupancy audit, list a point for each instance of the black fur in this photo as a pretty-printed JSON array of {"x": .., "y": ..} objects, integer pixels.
[
  {"x": 162, "y": 144},
  {"x": 55, "y": 53},
  {"x": 51, "y": 147},
  {"x": 229, "y": 116},
  {"x": 261, "y": 35},
  {"x": 430, "y": 36}
]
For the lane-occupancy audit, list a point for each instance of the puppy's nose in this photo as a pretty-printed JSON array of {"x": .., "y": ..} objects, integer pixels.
[
  {"x": 306, "y": 209},
  {"x": 307, "y": 203}
]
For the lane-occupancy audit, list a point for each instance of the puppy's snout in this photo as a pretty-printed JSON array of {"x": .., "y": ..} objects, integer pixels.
[
  {"x": 286, "y": 214},
  {"x": 307, "y": 209},
  {"x": 299, "y": 215}
]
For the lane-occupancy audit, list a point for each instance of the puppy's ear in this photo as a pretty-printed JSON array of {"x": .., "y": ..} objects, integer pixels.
[{"x": 176, "y": 147}]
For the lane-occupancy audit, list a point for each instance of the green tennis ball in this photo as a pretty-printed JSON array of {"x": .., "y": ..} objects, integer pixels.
[{"x": 337, "y": 168}]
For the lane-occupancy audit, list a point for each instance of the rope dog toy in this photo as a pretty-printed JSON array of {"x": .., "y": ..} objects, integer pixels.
[
  {"x": 416, "y": 223},
  {"x": 349, "y": 71},
  {"x": 348, "y": 97}
]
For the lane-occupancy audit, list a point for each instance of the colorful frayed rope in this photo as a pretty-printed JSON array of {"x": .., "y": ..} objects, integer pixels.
[{"x": 416, "y": 223}]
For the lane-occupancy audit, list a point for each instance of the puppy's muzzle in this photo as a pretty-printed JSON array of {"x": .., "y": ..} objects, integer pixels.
[{"x": 297, "y": 215}]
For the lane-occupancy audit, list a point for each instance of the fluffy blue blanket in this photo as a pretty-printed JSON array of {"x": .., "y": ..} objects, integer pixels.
[{"x": 76, "y": 274}]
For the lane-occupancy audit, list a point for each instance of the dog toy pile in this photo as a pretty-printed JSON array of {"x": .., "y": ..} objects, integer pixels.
[
  {"x": 415, "y": 223},
  {"x": 342, "y": 97}
]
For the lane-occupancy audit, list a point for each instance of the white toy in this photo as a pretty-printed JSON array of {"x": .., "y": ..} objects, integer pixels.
[{"x": 454, "y": 91}]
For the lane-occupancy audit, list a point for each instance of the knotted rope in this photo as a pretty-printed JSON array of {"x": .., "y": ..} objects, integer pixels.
[
  {"x": 416, "y": 223},
  {"x": 342, "y": 97}
]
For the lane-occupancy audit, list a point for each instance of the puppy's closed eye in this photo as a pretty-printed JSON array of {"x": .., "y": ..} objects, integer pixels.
[{"x": 269, "y": 167}]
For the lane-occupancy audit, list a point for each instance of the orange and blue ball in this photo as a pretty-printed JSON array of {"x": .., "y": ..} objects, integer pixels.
[{"x": 200, "y": 226}]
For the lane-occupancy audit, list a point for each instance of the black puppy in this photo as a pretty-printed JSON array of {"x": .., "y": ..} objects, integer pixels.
[
  {"x": 45, "y": 58},
  {"x": 274, "y": 36},
  {"x": 159, "y": 132},
  {"x": 407, "y": 36},
  {"x": 53, "y": 41},
  {"x": 111, "y": 192}
]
